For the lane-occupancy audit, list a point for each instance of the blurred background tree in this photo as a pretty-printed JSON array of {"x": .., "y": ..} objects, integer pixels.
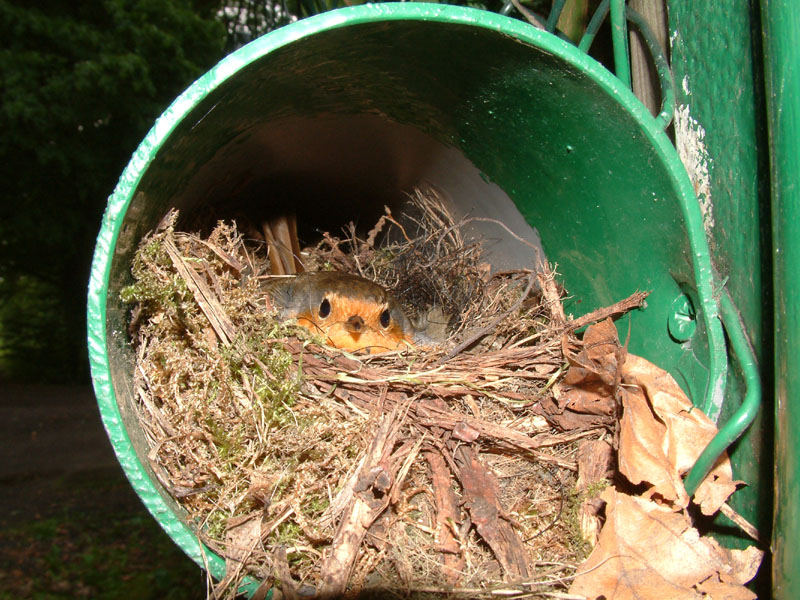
[
  {"x": 245, "y": 20},
  {"x": 82, "y": 82}
]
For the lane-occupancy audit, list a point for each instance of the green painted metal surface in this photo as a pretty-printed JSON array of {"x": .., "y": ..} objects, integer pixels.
[
  {"x": 580, "y": 157},
  {"x": 782, "y": 69},
  {"x": 721, "y": 131},
  {"x": 746, "y": 413}
]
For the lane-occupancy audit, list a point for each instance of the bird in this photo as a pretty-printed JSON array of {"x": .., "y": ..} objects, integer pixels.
[{"x": 349, "y": 311}]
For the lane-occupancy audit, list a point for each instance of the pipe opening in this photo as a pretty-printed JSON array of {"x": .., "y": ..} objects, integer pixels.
[
  {"x": 334, "y": 169},
  {"x": 334, "y": 118}
]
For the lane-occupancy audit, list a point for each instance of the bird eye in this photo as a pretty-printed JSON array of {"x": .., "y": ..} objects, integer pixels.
[
  {"x": 386, "y": 318},
  {"x": 324, "y": 309}
]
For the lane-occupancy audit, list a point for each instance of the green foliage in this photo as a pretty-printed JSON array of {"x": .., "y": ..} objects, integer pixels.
[
  {"x": 29, "y": 322},
  {"x": 245, "y": 20},
  {"x": 82, "y": 82}
]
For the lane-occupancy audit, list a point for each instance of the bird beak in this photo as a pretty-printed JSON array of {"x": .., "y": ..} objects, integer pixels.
[{"x": 354, "y": 324}]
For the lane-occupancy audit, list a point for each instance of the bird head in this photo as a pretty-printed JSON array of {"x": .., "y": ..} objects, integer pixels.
[{"x": 350, "y": 312}]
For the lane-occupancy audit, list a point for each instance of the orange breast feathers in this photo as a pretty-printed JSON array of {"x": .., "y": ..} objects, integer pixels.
[{"x": 350, "y": 312}]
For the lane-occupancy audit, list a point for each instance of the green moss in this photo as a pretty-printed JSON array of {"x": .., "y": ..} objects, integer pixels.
[
  {"x": 228, "y": 442},
  {"x": 286, "y": 533},
  {"x": 574, "y": 538},
  {"x": 270, "y": 370},
  {"x": 216, "y": 523},
  {"x": 316, "y": 505},
  {"x": 286, "y": 481},
  {"x": 151, "y": 293}
]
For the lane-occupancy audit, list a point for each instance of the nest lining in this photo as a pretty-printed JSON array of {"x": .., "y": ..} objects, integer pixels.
[{"x": 420, "y": 472}]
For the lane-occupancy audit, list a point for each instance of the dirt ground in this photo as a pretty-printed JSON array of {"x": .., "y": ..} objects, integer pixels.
[
  {"x": 50, "y": 434},
  {"x": 70, "y": 524}
]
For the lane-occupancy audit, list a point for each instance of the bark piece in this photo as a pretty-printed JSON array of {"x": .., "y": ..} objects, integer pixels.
[
  {"x": 481, "y": 498},
  {"x": 370, "y": 498},
  {"x": 447, "y": 519}
]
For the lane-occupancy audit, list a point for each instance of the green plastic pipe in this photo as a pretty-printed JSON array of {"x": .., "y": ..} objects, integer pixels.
[
  {"x": 619, "y": 37},
  {"x": 781, "y": 31},
  {"x": 101, "y": 337},
  {"x": 594, "y": 26},
  {"x": 666, "y": 82},
  {"x": 555, "y": 13},
  {"x": 748, "y": 410}
]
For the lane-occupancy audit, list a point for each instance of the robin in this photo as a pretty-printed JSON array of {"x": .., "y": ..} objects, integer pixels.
[{"x": 350, "y": 312}]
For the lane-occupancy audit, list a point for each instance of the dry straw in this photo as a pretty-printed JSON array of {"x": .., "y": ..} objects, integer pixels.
[{"x": 421, "y": 472}]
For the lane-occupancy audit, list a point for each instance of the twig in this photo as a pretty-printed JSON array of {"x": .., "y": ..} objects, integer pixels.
[
  {"x": 283, "y": 574},
  {"x": 743, "y": 523},
  {"x": 530, "y": 16},
  {"x": 471, "y": 339},
  {"x": 205, "y": 298},
  {"x": 369, "y": 501},
  {"x": 635, "y": 300}
]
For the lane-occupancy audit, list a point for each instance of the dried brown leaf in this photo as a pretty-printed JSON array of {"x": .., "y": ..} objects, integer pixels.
[
  {"x": 664, "y": 434},
  {"x": 642, "y": 454},
  {"x": 599, "y": 357},
  {"x": 624, "y": 564},
  {"x": 720, "y": 590},
  {"x": 588, "y": 398}
]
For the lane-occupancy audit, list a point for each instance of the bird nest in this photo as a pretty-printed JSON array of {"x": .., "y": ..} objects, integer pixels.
[{"x": 449, "y": 468}]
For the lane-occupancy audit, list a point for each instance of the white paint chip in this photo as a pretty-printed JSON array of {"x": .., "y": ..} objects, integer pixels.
[{"x": 690, "y": 143}]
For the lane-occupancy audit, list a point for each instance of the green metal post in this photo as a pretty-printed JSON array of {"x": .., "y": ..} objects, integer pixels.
[
  {"x": 721, "y": 132},
  {"x": 619, "y": 33},
  {"x": 781, "y": 26}
]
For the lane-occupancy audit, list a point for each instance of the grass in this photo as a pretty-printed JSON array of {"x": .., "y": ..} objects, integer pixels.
[{"x": 94, "y": 551}]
